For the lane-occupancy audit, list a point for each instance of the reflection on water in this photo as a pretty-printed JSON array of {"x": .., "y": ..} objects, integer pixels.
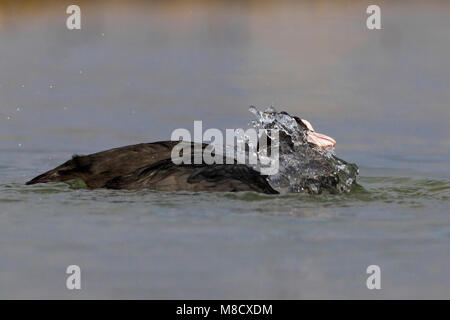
[{"x": 138, "y": 70}]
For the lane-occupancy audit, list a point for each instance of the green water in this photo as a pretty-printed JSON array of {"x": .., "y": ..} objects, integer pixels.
[
  {"x": 184, "y": 245},
  {"x": 137, "y": 71}
]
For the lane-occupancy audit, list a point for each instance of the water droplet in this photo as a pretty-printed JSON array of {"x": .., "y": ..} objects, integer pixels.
[
  {"x": 50, "y": 86},
  {"x": 19, "y": 144},
  {"x": 18, "y": 109},
  {"x": 302, "y": 167},
  {"x": 271, "y": 109}
]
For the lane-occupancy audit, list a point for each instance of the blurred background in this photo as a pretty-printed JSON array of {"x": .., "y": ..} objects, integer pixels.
[{"x": 137, "y": 70}]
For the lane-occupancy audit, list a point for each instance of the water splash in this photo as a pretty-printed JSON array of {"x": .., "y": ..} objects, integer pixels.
[{"x": 303, "y": 167}]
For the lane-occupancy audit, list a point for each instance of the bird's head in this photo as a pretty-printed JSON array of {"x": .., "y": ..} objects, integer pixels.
[{"x": 319, "y": 140}]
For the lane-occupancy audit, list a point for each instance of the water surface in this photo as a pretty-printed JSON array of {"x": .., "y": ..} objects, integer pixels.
[{"x": 137, "y": 71}]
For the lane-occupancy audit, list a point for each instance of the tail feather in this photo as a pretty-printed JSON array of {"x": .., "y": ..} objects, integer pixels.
[
  {"x": 50, "y": 176},
  {"x": 71, "y": 169}
]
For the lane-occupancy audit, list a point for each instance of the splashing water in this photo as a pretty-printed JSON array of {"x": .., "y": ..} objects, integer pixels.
[{"x": 303, "y": 167}]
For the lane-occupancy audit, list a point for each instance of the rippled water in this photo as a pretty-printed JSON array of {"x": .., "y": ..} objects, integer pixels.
[
  {"x": 137, "y": 71},
  {"x": 184, "y": 245}
]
